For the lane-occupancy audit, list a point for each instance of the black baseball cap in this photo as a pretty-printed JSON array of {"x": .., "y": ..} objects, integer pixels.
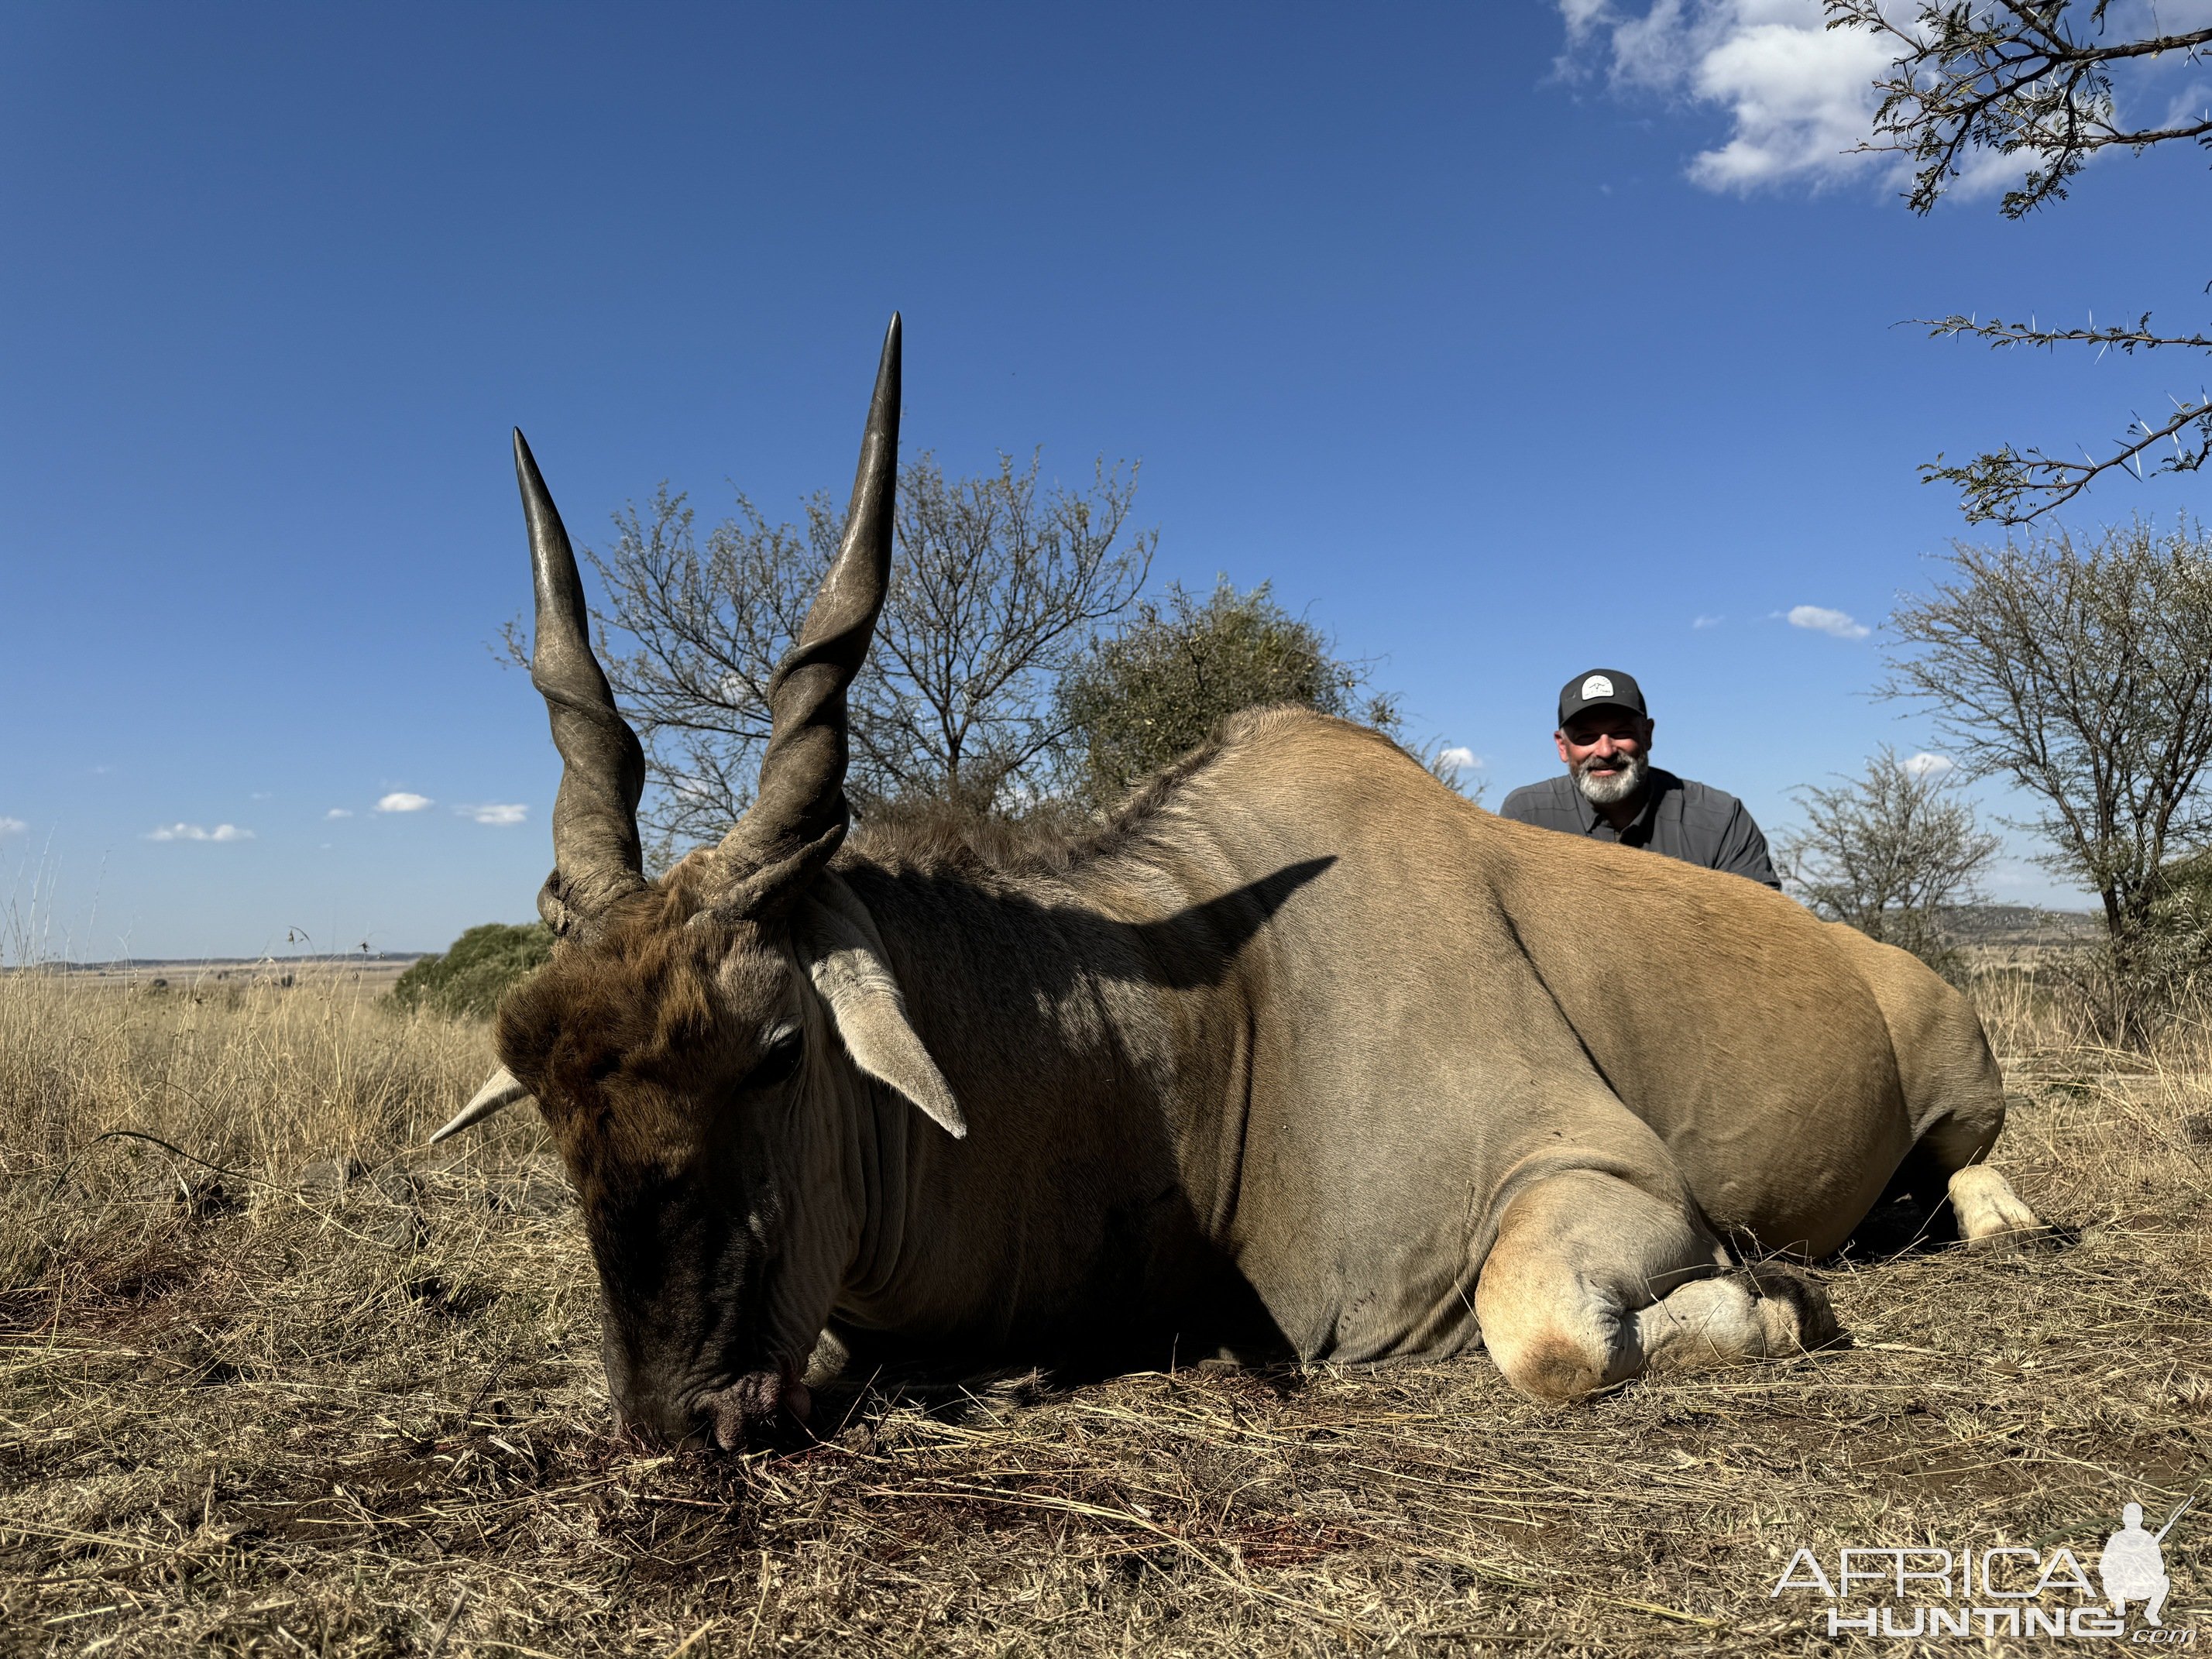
[{"x": 1606, "y": 687}]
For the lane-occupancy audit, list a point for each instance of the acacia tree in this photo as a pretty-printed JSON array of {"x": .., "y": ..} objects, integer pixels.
[
  {"x": 1888, "y": 852},
  {"x": 2081, "y": 671},
  {"x": 2033, "y": 80},
  {"x": 996, "y": 593},
  {"x": 705, "y": 627},
  {"x": 998, "y": 585}
]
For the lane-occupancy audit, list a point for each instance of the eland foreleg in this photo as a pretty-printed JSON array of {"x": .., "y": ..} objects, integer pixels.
[{"x": 1593, "y": 1281}]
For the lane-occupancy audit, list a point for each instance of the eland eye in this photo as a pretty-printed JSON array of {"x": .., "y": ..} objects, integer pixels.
[{"x": 777, "y": 1064}]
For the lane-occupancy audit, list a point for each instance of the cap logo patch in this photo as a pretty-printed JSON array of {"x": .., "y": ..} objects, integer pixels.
[{"x": 1598, "y": 686}]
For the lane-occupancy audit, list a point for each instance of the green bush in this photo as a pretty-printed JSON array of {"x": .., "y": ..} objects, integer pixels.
[
  {"x": 470, "y": 979},
  {"x": 2155, "y": 968},
  {"x": 1156, "y": 690}
]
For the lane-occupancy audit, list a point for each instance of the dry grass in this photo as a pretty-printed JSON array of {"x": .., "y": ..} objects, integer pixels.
[{"x": 272, "y": 1411}]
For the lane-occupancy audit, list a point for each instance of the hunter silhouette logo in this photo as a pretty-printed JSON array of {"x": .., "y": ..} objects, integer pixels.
[
  {"x": 2008, "y": 1590},
  {"x": 2133, "y": 1566}
]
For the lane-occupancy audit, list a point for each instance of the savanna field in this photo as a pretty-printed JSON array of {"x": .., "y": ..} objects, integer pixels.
[{"x": 277, "y": 1378}]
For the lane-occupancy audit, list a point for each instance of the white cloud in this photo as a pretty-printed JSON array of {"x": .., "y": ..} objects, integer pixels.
[
  {"x": 1707, "y": 621},
  {"x": 1821, "y": 620},
  {"x": 1799, "y": 97},
  {"x": 2192, "y": 103},
  {"x": 12, "y": 826},
  {"x": 339, "y": 813},
  {"x": 401, "y": 800},
  {"x": 194, "y": 832},
  {"x": 1462, "y": 757},
  {"x": 1924, "y": 765},
  {"x": 1582, "y": 16},
  {"x": 495, "y": 813}
]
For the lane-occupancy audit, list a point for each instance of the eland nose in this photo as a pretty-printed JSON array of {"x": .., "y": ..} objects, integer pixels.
[
  {"x": 667, "y": 1416},
  {"x": 662, "y": 1419},
  {"x": 734, "y": 1417}
]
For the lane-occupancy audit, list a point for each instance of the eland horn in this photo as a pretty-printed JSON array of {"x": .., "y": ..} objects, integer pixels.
[
  {"x": 799, "y": 814},
  {"x": 596, "y": 856},
  {"x": 501, "y": 1091}
]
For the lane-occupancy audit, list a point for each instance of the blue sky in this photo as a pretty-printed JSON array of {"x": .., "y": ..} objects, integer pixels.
[{"x": 1468, "y": 352}]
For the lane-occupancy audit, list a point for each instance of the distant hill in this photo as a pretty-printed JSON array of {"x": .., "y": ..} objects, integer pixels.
[
  {"x": 2019, "y": 924},
  {"x": 335, "y": 958}
]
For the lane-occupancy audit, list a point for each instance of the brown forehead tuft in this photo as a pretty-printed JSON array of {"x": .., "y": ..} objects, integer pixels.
[{"x": 644, "y": 997}]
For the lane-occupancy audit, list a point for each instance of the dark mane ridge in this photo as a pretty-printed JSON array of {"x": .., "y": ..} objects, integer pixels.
[
  {"x": 998, "y": 846},
  {"x": 940, "y": 846}
]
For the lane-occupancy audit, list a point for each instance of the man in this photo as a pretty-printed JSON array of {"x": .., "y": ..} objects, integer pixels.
[
  {"x": 2133, "y": 1566},
  {"x": 1611, "y": 792}
]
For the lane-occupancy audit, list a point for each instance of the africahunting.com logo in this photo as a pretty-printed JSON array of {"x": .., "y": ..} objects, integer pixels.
[{"x": 2011, "y": 1590}]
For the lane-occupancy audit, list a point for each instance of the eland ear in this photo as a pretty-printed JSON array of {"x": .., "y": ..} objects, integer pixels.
[{"x": 844, "y": 955}]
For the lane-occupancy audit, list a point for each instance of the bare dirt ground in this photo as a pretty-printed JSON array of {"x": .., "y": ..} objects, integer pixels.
[{"x": 293, "y": 1382}]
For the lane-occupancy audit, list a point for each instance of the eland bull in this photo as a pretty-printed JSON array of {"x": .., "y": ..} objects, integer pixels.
[{"x": 1300, "y": 1049}]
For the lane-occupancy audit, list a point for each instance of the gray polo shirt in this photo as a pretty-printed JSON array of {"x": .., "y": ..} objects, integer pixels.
[{"x": 1682, "y": 819}]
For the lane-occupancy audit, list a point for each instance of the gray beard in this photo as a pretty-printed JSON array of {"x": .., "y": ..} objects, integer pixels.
[{"x": 1610, "y": 792}]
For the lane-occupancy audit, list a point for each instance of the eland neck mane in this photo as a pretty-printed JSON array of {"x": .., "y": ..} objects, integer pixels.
[{"x": 1083, "y": 994}]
